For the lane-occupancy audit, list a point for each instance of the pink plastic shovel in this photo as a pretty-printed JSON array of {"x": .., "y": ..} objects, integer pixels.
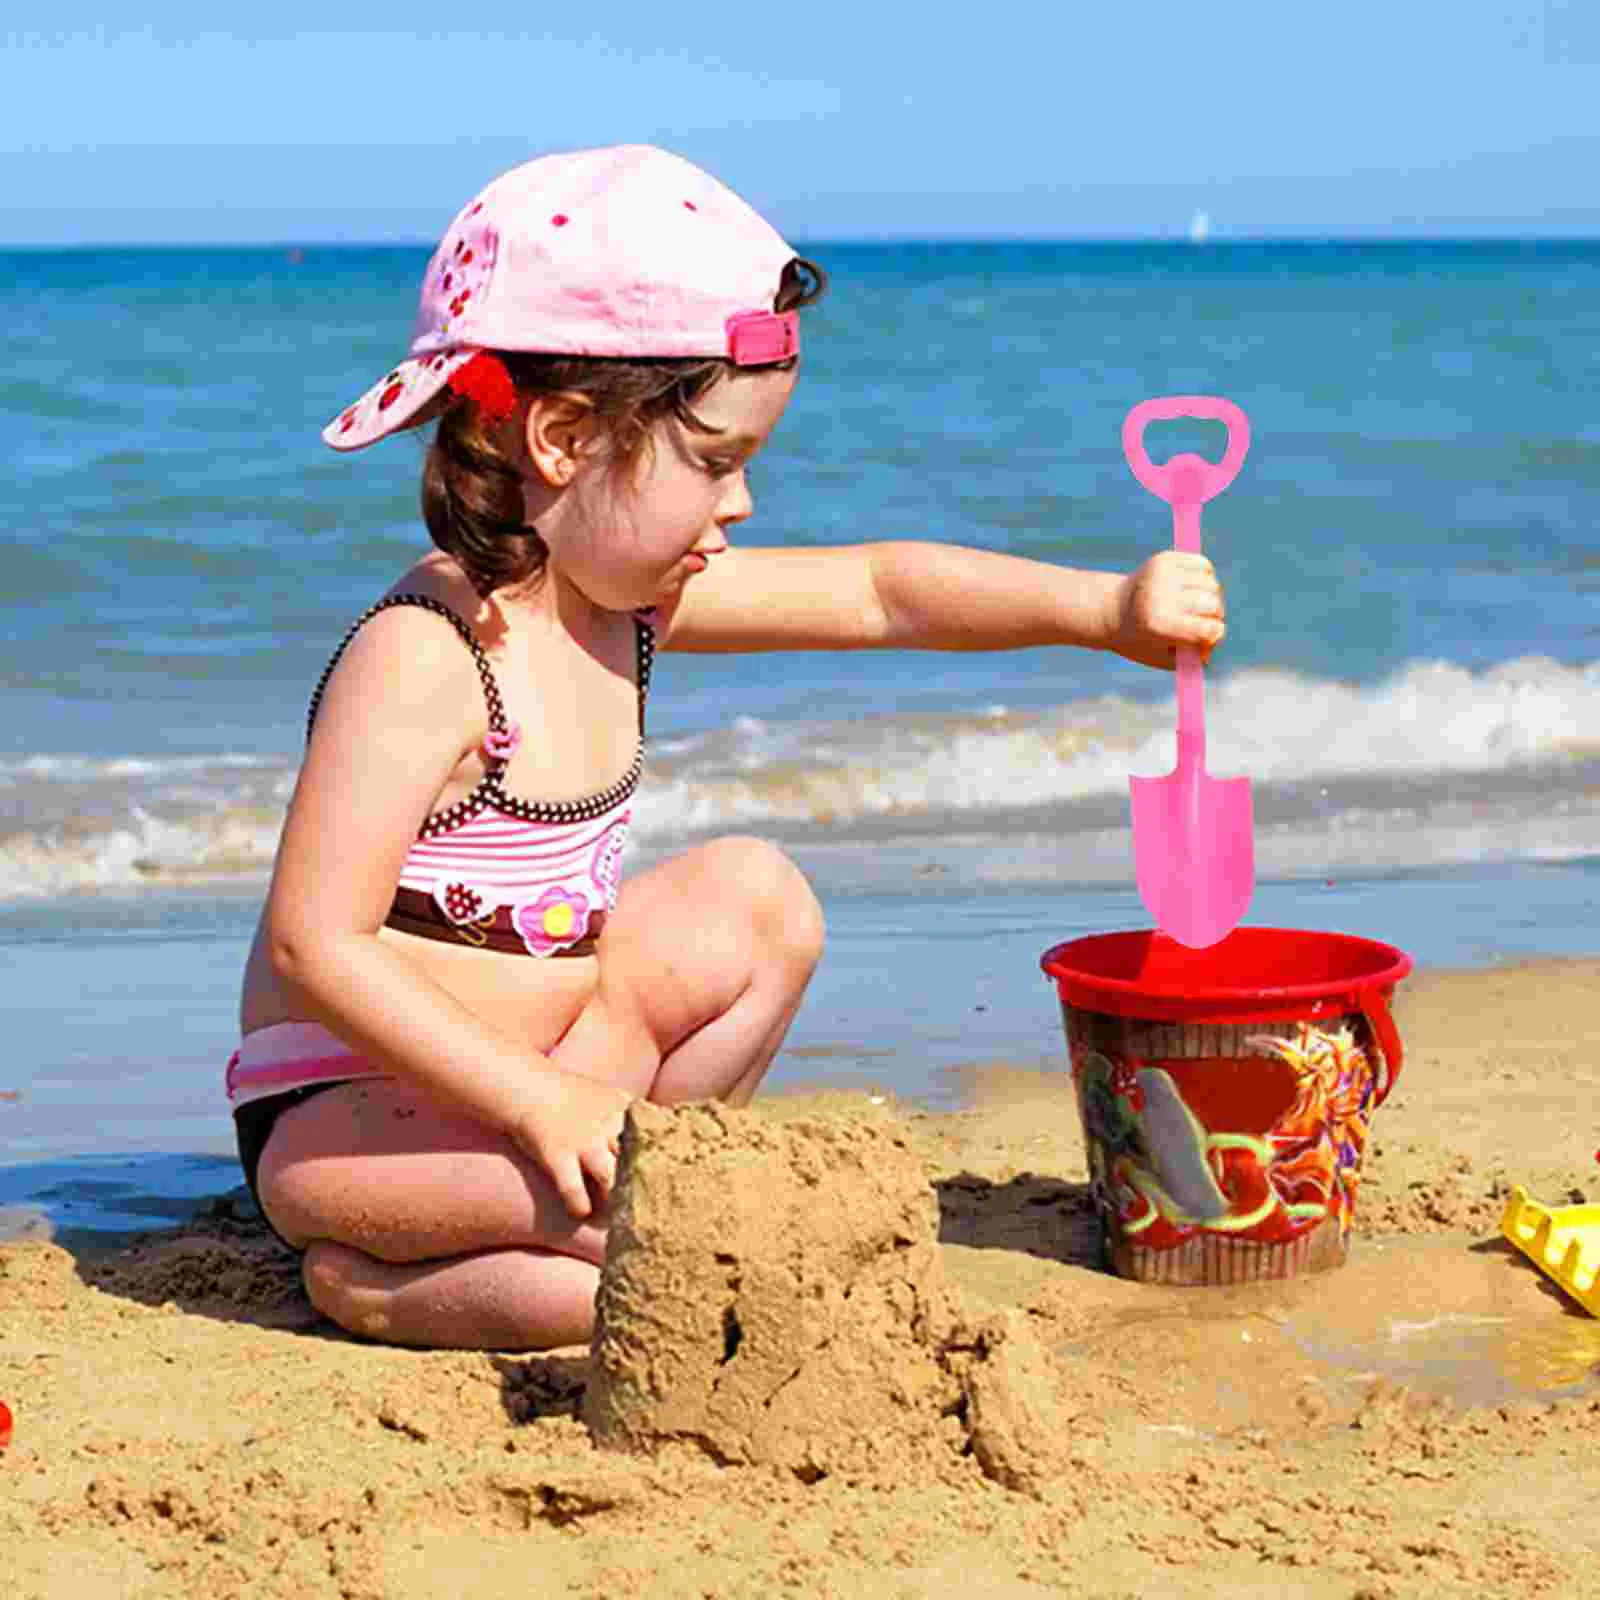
[{"x": 1194, "y": 847}]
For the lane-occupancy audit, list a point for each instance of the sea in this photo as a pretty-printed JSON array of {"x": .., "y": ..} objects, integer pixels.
[{"x": 1411, "y": 677}]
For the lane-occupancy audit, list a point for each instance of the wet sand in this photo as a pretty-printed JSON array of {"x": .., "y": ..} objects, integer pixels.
[{"x": 1420, "y": 1422}]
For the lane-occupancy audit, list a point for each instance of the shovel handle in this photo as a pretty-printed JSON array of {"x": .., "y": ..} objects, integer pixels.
[
  {"x": 1188, "y": 480},
  {"x": 1191, "y": 712}
]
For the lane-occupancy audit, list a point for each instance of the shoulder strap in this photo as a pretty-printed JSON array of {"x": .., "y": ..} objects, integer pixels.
[
  {"x": 645, "y": 653},
  {"x": 491, "y": 689}
]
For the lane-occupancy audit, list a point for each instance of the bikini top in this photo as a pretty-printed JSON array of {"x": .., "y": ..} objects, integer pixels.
[{"x": 502, "y": 873}]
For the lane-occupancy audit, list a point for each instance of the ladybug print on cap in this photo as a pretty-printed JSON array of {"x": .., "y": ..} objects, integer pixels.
[
  {"x": 452, "y": 291},
  {"x": 393, "y": 400},
  {"x": 458, "y": 273}
]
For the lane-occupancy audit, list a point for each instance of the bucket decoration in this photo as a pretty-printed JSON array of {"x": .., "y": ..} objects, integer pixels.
[{"x": 1227, "y": 1094}]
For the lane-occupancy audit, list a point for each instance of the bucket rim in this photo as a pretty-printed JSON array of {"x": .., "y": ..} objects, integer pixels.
[{"x": 1136, "y": 997}]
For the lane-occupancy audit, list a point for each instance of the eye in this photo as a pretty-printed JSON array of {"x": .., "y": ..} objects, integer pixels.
[{"x": 722, "y": 466}]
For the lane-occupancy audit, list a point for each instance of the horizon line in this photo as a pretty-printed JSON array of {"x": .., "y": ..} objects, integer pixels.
[{"x": 1212, "y": 241}]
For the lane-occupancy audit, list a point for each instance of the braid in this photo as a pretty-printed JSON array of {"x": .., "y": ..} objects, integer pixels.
[{"x": 472, "y": 504}]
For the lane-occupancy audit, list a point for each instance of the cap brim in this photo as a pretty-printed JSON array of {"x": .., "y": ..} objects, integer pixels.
[{"x": 396, "y": 401}]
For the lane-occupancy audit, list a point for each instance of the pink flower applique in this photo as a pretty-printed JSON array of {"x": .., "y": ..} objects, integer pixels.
[
  {"x": 500, "y": 744},
  {"x": 553, "y": 921},
  {"x": 606, "y": 869},
  {"x": 462, "y": 902}
]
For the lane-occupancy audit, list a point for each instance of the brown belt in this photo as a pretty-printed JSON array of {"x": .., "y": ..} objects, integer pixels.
[{"x": 420, "y": 914}]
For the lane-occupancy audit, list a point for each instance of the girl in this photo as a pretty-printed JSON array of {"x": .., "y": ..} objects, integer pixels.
[{"x": 450, "y": 1002}]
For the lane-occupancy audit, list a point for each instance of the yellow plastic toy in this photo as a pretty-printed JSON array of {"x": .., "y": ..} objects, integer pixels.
[{"x": 1563, "y": 1242}]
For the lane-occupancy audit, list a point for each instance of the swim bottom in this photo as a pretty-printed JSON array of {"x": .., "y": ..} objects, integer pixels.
[{"x": 275, "y": 1069}]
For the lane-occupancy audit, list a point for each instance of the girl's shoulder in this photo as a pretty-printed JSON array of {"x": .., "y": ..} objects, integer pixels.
[
  {"x": 433, "y": 599},
  {"x": 438, "y": 578},
  {"x": 422, "y": 637},
  {"x": 413, "y": 620}
]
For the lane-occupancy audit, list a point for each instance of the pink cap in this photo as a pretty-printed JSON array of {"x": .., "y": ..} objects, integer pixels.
[{"x": 625, "y": 251}]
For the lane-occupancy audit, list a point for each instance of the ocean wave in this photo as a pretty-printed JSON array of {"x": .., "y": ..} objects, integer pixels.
[
  {"x": 91, "y": 769},
  {"x": 74, "y": 824},
  {"x": 146, "y": 851},
  {"x": 1435, "y": 718}
]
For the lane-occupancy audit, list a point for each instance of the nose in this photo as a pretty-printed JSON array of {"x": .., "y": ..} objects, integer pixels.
[
  {"x": 733, "y": 506},
  {"x": 736, "y": 503}
]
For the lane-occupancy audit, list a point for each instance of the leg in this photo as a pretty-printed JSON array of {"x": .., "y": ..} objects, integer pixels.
[
  {"x": 499, "y": 1300},
  {"x": 702, "y": 968},
  {"x": 426, "y": 1228}
]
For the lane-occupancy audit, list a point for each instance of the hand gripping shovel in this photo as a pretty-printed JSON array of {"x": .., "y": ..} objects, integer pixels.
[{"x": 1193, "y": 835}]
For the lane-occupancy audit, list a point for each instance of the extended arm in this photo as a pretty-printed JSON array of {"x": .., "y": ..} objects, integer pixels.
[{"x": 914, "y": 595}]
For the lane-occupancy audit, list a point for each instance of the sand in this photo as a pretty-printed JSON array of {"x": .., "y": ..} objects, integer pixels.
[{"x": 880, "y": 1360}]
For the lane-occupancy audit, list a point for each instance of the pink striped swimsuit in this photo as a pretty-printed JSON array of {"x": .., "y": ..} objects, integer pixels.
[{"x": 492, "y": 871}]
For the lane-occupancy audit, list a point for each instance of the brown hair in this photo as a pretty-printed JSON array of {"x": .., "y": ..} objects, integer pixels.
[{"x": 472, "y": 489}]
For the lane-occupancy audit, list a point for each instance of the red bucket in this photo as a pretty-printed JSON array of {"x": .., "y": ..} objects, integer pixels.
[{"x": 1226, "y": 1094}]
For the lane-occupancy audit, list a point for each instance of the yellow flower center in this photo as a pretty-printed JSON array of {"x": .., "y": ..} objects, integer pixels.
[{"x": 558, "y": 920}]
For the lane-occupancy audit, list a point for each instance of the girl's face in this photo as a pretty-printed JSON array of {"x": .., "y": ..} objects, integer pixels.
[{"x": 633, "y": 537}]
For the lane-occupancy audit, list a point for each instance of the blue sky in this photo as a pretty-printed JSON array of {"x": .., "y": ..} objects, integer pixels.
[{"x": 867, "y": 119}]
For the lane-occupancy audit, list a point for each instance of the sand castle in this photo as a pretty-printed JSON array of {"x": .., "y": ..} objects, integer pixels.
[{"x": 774, "y": 1293}]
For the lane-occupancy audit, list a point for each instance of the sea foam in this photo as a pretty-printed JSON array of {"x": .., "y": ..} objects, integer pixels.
[{"x": 1532, "y": 726}]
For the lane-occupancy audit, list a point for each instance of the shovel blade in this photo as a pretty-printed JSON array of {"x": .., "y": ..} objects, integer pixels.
[{"x": 1194, "y": 853}]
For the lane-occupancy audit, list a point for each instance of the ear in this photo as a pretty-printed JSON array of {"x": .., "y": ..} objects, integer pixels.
[{"x": 561, "y": 429}]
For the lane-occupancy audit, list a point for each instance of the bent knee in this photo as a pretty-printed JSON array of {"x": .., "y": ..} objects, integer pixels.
[{"x": 783, "y": 908}]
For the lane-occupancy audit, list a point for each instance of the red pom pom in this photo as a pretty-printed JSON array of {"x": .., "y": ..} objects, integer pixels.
[
  {"x": 5, "y": 1425},
  {"x": 485, "y": 380}
]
